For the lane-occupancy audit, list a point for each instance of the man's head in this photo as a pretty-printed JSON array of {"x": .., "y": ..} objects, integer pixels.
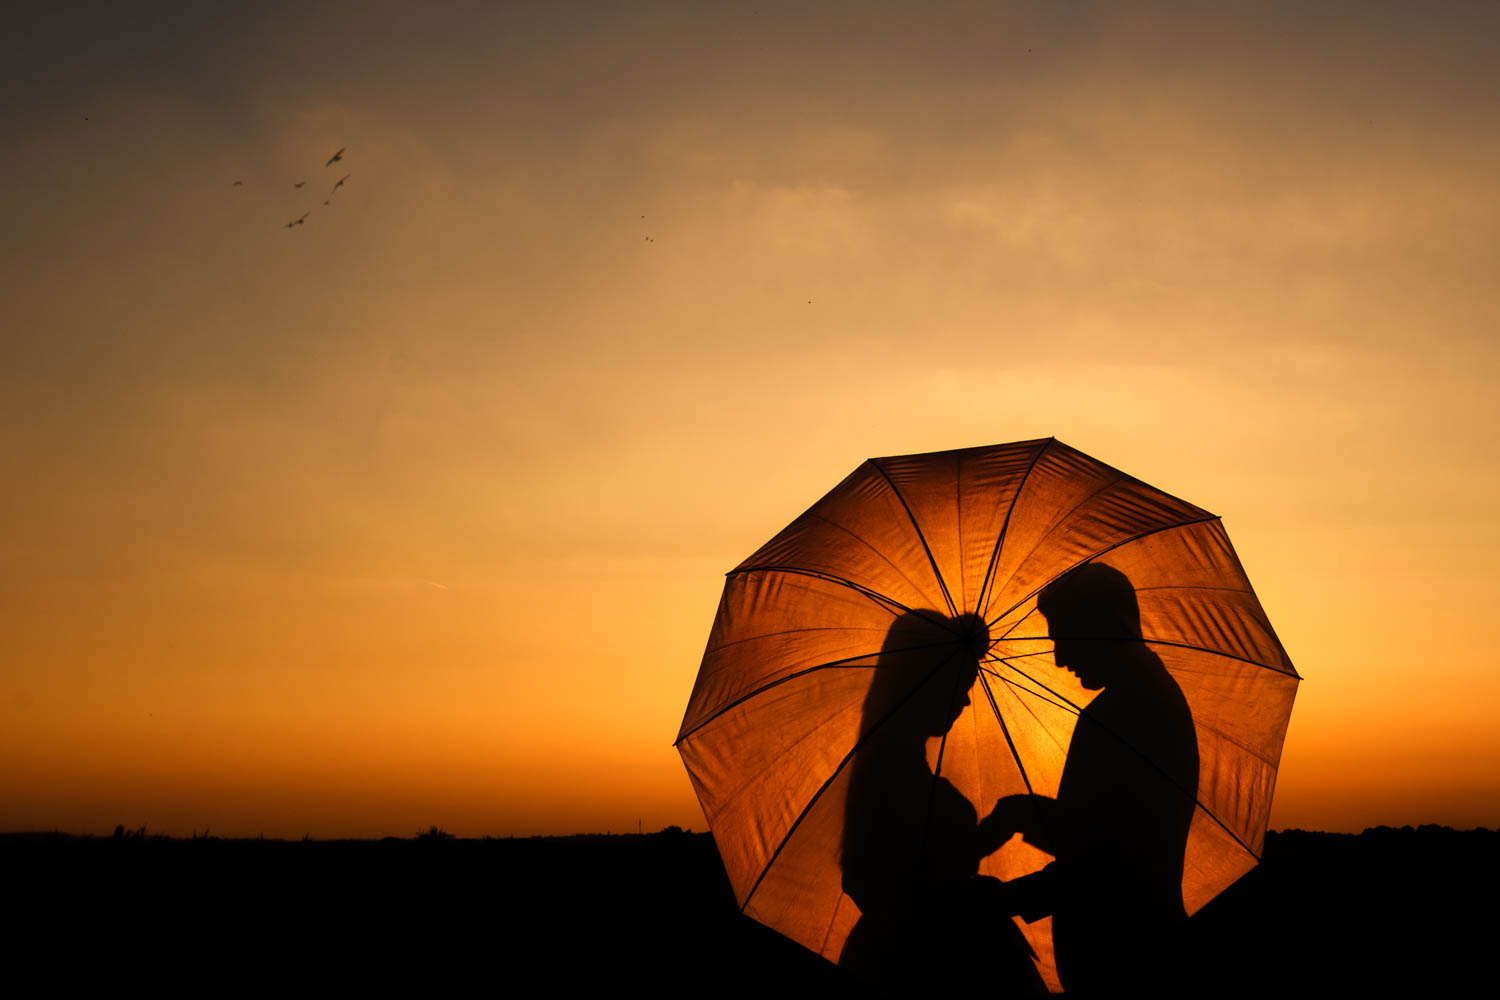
[{"x": 1090, "y": 612}]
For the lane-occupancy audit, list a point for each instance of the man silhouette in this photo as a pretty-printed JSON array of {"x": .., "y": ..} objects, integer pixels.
[{"x": 1118, "y": 828}]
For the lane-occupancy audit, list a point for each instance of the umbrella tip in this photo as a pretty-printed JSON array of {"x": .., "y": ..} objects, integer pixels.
[{"x": 974, "y": 634}]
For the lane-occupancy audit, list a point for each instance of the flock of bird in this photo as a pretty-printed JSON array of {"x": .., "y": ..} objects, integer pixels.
[
  {"x": 335, "y": 158},
  {"x": 338, "y": 158}
]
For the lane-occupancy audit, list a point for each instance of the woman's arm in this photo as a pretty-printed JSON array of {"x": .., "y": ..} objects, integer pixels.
[{"x": 1032, "y": 897}]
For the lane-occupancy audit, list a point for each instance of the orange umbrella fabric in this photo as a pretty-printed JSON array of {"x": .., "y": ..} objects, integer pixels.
[{"x": 1011, "y": 684}]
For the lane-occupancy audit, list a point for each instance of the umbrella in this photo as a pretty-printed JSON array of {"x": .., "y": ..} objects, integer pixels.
[{"x": 1003, "y": 715}]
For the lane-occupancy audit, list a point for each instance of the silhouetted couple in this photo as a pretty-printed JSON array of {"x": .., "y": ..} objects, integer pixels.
[{"x": 912, "y": 845}]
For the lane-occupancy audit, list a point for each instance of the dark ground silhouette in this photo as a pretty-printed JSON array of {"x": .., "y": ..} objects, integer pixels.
[{"x": 1389, "y": 908}]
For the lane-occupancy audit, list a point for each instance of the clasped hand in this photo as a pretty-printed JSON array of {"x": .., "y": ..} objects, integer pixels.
[{"x": 1013, "y": 814}]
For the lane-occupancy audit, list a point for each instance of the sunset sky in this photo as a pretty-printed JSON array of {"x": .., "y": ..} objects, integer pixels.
[{"x": 418, "y": 512}]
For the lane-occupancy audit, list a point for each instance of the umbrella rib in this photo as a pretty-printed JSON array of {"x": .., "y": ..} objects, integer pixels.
[
  {"x": 1233, "y": 555},
  {"x": 883, "y": 557},
  {"x": 1016, "y": 624},
  {"x": 992, "y": 658},
  {"x": 1246, "y": 591},
  {"x": 878, "y": 598},
  {"x": 1194, "y": 586},
  {"x": 881, "y": 599},
  {"x": 847, "y": 662},
  {"x": 1068, "y": 702},
  {"x": 1066, "y": 707},
  {"x": 1159, "y": 770},
  {"x": 1029, "y": 711},
  {"x": 1023, "y": 656},
  {"x": 1005, "y": 526},
  {"x": 1161, "y": 642},
  {"x": 795, "y": 631},
  {"x": 994, "y": 707},
  {"x": 1120, "y": 477},
  {"x": 1258, "y": 755},
  {"x": 942, "y": 585},
  {"x": 1216, "y": 652},
  {"x": 1107, "y": 549},
  {"x": 863, "y": 739},
  {"x": 1077, "y": 711}
]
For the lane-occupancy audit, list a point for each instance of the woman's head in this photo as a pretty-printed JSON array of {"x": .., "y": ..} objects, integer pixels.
[{"x": 926, "y": 667}]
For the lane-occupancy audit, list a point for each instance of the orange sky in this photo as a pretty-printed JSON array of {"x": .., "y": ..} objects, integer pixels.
[{"x": 418, "y": 513}]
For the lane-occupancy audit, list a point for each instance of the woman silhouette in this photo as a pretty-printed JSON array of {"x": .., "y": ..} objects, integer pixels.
[{"x": 929, "y": 923}]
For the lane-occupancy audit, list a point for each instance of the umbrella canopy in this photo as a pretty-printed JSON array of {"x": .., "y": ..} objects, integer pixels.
[{"x": 1009, "y": 688}]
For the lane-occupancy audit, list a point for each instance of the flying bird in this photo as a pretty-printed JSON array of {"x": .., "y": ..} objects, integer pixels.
[
  {"x": 336, "y": 157},
  {"x": 237, "y": 184},
  {"x": 341, "y": 181},
  {"x": 298, "y": 222},
  {"x": 299, "y": 184}
]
